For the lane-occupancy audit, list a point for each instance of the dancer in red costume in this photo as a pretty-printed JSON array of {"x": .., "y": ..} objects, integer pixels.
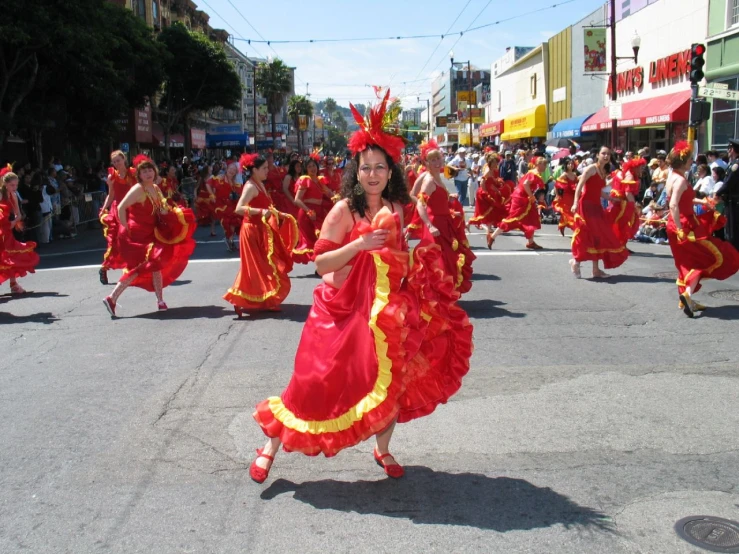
[
  {"x": 155, "y": 239},
  {"x": 385, "y": 342},
  {"x": 565, "y": 186},
  {"x": 522, "y": 213},
  {"x": 17, "y": 259},
  {"x": 265, "y": 244},
  {"x": 120, "y": 179},
  {"x": 284, "y": 198},
  {"x": 594, "y": 238},
  {"x": 205, "y": 201},
  {"x": 169, "y": 185},
  {"x": 435, "y": 212},
  {"x": 275, "y": 174},
  {"x": 624, "y": 188},
  {"x": 697, "y": 254},
  {"x": 491, "y": 198},
  {"x": 332, "y": 175},
  {"x": 227, "y": 192},
  {"x": 310, "y": 194}
]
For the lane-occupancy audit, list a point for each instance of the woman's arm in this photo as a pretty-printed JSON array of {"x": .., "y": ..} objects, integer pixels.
[
  {"x": 428, "y": 186},
  {"x": 675, "y": 203},
  {"x": 580, "y": 184},
  {"x": 111, "y": 194},
  {"x": 302, "y": 205},
  {"x": 286, "y": 187},
  {"x": 134, "y": 195},
  {"x": 242, "y": 206}
]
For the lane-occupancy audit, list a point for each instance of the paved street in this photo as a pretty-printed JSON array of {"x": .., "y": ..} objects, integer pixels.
[{"x": 595, "y": 415}]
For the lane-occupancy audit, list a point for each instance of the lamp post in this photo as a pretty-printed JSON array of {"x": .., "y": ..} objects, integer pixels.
[
  {"x": 635, "y": 45},
  {"x": 254, "y": 90},
  {"x": 469, "y": 89}
]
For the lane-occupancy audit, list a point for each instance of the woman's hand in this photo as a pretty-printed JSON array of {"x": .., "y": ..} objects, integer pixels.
[
  {"x": 372, "y": 240},
  {"x": 434, "y": 231},
  {"x": 573, "y": 209}
]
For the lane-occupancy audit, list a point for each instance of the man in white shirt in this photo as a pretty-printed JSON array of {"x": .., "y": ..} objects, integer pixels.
[
  {"x": 714, "y": 160},
  {"x": 460, "y": 179}
]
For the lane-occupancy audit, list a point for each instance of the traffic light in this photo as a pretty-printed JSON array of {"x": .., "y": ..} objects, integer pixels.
[
  {"x": 700, "y": 111},
  {"x": 697, "y": 51}
]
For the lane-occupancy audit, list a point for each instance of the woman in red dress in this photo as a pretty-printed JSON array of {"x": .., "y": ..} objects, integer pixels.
[
  {"x": 169, "y": 185},
  {"x": 522, "y": 213},
  {"x": 490, "y": 198},
  {"x": 594, "y": 238},
  {"x": 434, "y": 210},
  {"x": 275, "y": 174},
  {"x": 155, "y": 239},
  {"x": 227, "y": 192},
  {"x": 309, "y": 197},
  {"x": 332, "y": 175},
  {"x": 120, "y": 179},
  {"x": 265, "y": 244},
  {"x": 384, "y": 342},
  {"x": 205, "y": 201},
  {"x": 284, "y": 197},
  {"x": 624, "y": 189},
  {"x": 17, "y": 259},
  {"x": 565, "y": 186},
  {"x": 697, "y": 254}
]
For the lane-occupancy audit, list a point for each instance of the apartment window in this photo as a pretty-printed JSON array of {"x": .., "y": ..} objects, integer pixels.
[
  {"x": 155, "y": 12},
  {"x": 500, "y": 100},
  {"x": 725, "y": 119},
  {"x": 532, "y": 86},
  {"x": 139, "y": 8},
  {"x": 733, "y": 13}
]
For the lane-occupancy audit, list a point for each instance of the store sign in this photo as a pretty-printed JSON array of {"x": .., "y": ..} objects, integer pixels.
[
  {"x": 594, "y": 40},
  {"x": 467, "y": 96},
  {"x": 197, "y": 138},
  {"x": 669, "y": 68},
  {"x": 559, "y": 94},
  {"x": 491, "y": 129},
  {"x": 441, "y": 121}
]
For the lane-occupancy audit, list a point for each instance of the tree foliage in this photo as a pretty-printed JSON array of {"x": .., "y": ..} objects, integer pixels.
[
  {"x": 296, "y": 106},
  {"x": 274, "y": 83}
]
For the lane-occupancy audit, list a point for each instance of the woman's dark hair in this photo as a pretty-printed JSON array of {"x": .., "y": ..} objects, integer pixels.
[
  {"x": 701, "y": 159},
  {"x": 259, "y": 161},
  {"x": 564, "y": 161},
  {"x": 291, "y": 171},
  {"x": 704, "y": 168},
  {"x": 395, "y": 191},
  {"x": 720, "y": 172}
]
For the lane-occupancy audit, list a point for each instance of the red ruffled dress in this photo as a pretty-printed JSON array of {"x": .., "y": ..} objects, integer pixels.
[
  {"x": 309, "y": 229},
  {"x": 594, "y": 237},
  {"x": 159, "y": 238},
  {"x": 227, "y": 196},
  {"x": 564, "y": 200},
  {"x": 205, "y": 205},
  {"x": 282, "y": 202},
  {"x": 490, "y": 200},
  {"x": 171, "y": 194},
  {"x": 697, "y": 254},
  {"x": 389, "y": 344},
  {"x": 455, "y": 249},
  {"x": 333, "y": 179},
  {"x": 265, "y": 246},
  {"x": 109, "y": 220},
  {"x": 17, "y": 259},
  {"x": 522, "y": 212},
  {"x": 624, "y": 214}
]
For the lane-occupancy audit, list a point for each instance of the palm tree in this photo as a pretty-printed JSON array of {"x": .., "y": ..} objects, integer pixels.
[
  {"x": 296, "y": 106},
  {"x": 274, "y": 82}
]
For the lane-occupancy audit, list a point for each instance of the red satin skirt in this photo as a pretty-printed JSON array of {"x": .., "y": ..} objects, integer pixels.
[
  {"x": 17, "y": 259},
  {"x": 594, "y": 237},
  {"x": 205, "y": 207},
  {"x": 379, "y": 349},
  {"x": 522, "y": 215},
  {"x": 562, "y": 204},
  {"x": 283, "y": 203},
  {"x": 625, "y": 220},
  {"x": 112, "y": 258},
  {"x": 165, "y": 247},
  {"x": 230, "y": 220},
  {"x": 309, "y": 231},
  {"x": 265, "y": 246},
  {"x": 489, "y": 209}
]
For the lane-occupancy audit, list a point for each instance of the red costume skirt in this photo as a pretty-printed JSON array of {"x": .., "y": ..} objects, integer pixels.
[
  {"x": 625, "y": 220},
  {"x": 563, "y": 205},
  {"x": 378, "y": 349},
  {"x": 489, "y": 209},
  {"x": 456, "y": 254},
  {"x": 17, "y": 259},
  {"x": 165, "y": 247},
  {"x": 205, "y": 207},
  {"x": 309, "y": 231},
  {"x": 700, "y": 256},
  {"x": 283, "y": 203},
  {"x": 265, "y": 245},
  {"x": 109, "y": 220},
  {"x": 594, "y": 238},
  {"x": 522, "y": 215},
  {"x": 230, "y": 220}
]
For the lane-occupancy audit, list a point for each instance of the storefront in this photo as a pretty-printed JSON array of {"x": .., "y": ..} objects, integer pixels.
[
  {"x": 526, "y": 126},
  {"x": 489, "y": 132}
]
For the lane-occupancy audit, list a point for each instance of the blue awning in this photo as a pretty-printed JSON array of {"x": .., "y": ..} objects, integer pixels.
[
  {"x": 227, "y": 140},
  {"x": 569, "y": 128}
]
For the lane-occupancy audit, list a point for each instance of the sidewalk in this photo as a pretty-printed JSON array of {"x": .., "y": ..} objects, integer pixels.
[{"x": 85, "y": 241}]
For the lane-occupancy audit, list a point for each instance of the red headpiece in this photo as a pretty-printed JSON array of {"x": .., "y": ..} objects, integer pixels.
[
  {"x": 428, "y": 146},
  {"x": 632, "y": 164},
  {"x": 371, "y": 131},
  {"x": 4, "y": 171},
  {"x": 141, "y": 158},
  {"x": 682, "y": 148},
  {"x": 247, "y": 160}
]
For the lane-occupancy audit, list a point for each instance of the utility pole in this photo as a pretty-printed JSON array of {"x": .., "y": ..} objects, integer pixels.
[
  {"x": 469, "y": 97},
  {"x": 614, "y": 91},
  {"x": 254, "y": 87}
]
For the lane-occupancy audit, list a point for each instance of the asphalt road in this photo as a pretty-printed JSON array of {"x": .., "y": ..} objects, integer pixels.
[{"x": 595, "y": 415}]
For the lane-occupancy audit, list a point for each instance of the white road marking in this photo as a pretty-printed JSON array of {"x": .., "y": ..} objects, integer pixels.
[{"x": 504, "y": 253}]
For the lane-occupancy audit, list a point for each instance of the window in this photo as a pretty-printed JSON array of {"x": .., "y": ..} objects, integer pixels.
[
  {"x": 532, "y": 86},
  {"x": 139, "y": 8},
  {"x": 725, "y": 119},
  {"x": 732, "y": 13},
  {"x": 500, "y": 100}
]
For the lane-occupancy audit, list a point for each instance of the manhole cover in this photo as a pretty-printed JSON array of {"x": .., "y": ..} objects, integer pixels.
[
  {"x": 729, "y": 294},
  {"x": 666, "y": 275},
  {"x": 712, "y": 533}
]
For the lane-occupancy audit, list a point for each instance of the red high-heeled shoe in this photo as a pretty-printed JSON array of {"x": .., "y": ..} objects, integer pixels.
[
  {"x": 395, "y": 470},
  {"x": 259, "y": 474}
]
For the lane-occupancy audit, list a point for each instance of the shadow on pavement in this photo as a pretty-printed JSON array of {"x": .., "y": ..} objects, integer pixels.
[
  {"x": 484, "y": 277},
  {"x": 188, "y": 312},
  {"x": 180, "y": 283},
  {"x": 30, "y": 294},
  {"x": 425, "y": 496},
  {"x": 616, "y": 278},
  {"x": 722, "y": 312},
  {"x": 288, "y": 312},
  {"x": 41, "y": 317},
  {"x": 487, "y": 309}
]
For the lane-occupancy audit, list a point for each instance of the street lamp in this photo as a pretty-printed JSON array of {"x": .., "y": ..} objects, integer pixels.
[{"x": 635, "y": 45}]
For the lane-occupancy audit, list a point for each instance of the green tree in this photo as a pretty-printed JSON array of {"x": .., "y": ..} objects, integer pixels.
[
  {"x": 198, "y": 77},
  {"x": 274, "y": 82},
  {"x": 330, "y": 106},
  {"x": 296, "y": 106}
]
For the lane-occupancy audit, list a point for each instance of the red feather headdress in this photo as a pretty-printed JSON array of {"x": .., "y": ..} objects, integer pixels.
[
  {"x": 141, "y": 158},
  {"x": 4, "y": 171},
  {"x": 371, "y": 132},
  {"x": 428, "y": 146},
  {"x": 632, "y": 164},
  {"x": 682, "y": 148},
  {"x": 247, "y": 160}
]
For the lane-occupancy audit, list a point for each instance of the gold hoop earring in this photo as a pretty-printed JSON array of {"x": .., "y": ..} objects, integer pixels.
[{"x": 358, "y": 190}]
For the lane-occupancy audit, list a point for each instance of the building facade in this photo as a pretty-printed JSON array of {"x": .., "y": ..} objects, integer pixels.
[{"x": 722, "y": 66}]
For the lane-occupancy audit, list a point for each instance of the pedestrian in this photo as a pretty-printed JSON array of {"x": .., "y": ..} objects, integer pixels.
[
  {"x": 266, "y": 241},
  {"x": 508, "y": 167},
  {"x": 366, "y": 360},
  {"x": 594, "y": 238},
  {"x": 17, "y": 259},
  {"x": 459, "y": 162}
]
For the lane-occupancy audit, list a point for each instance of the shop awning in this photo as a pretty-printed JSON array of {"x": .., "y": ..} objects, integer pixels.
[
  {"x": 659, "y": 110},
  {"x": 491, "y": 129},
  {"x": 569, "y": 128},
  {"x": 526, "y": 124}
]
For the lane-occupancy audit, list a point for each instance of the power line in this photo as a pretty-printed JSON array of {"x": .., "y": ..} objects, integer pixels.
[{"x": 231, "y": 27}]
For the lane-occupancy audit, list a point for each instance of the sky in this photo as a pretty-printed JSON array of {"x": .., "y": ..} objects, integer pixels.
[{"x": 345, "y": 70}]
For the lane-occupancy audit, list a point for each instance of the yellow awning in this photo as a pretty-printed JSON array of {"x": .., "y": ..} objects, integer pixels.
[{"x": 526, "y": 124}]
